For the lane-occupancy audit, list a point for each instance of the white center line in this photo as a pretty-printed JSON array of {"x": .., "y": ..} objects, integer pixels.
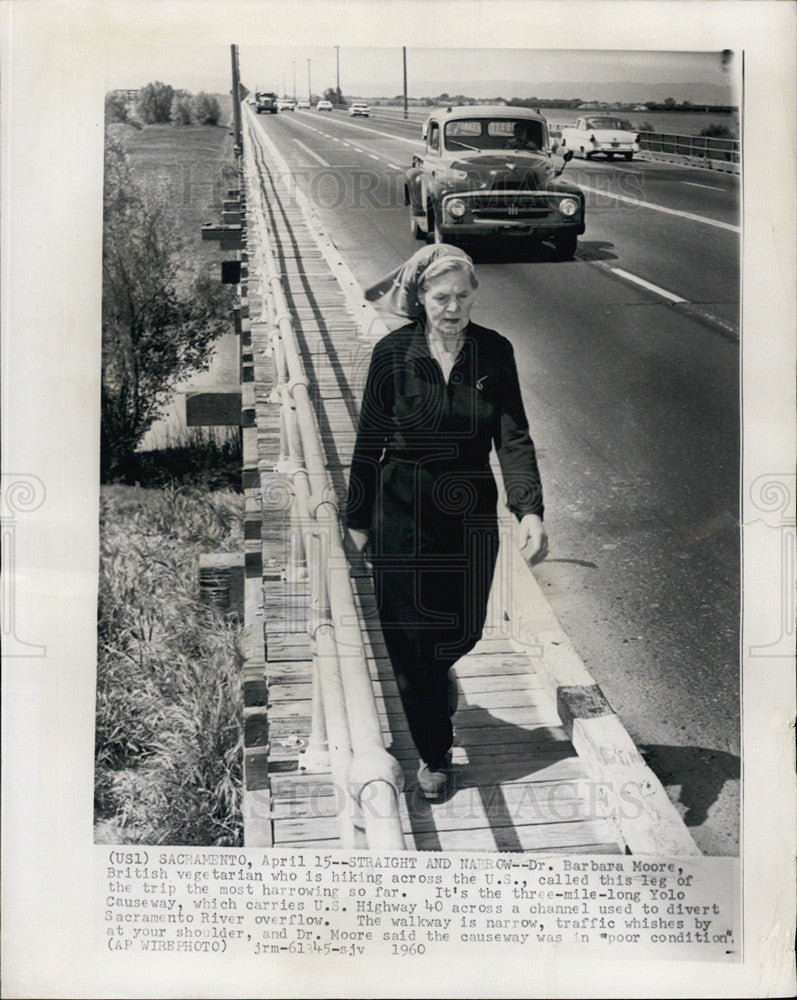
[
  {"x": 374, "y": 156},
  {"x": 315, "y": 156},
  {"x": 709, "y": 187},
  {"x": 661, "y": 208},
  {"x": 646, "y": 284}
]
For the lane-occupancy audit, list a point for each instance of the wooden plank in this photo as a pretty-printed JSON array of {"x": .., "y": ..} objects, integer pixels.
[
  {"x": 549, "y": 837},
  {"x": 297, "y": 831},
  {"x": 492, "y": 771}
]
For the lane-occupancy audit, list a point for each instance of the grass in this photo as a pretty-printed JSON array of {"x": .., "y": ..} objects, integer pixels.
[
  {"x": 168, "y": 739},
  {"x": 194, "y": 163}
]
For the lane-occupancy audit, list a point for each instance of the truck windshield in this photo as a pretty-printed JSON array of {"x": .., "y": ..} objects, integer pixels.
[{"x": 494, "y": 133}]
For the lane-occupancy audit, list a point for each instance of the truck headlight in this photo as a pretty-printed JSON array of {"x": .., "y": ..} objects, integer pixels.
[
  {"x": 568, "y": 207},
  {"x": 456, "y": 208}
]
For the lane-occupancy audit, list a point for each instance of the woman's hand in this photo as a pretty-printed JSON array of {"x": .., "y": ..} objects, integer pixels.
[
  {"x": 532, "y": 538},
  {"x": 357, "y": 542}
]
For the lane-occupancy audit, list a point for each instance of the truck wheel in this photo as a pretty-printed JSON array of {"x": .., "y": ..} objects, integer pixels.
[
  {"x": 564, "y": 246},
  {"x": 628, "y": 156}
]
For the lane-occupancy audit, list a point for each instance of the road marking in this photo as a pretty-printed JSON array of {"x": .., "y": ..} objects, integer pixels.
[
  {"x": 387, "y": 135},
  {"x": 709, "y": 187},
  {"x": 393, "y": 165},
  {"x": 646, "y": 284},
  {"x": 661, "y": 208},
  {"x": 373, "y": 156},
  {"x": 315, "y": 156},
  {"x": 726, "y": 330}
]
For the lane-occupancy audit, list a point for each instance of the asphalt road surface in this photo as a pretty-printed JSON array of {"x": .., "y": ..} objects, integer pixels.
[{"x": 634, "y": 403}]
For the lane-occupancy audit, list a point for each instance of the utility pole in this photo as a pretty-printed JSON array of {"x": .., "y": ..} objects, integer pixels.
[
  {"x": 309, "y": 89},
  {"x": 337, "y": 76},
  {"x": 404, "y": 60},
  {"x": 236, "y": 99},
  {"x": 294, "y": 81}
]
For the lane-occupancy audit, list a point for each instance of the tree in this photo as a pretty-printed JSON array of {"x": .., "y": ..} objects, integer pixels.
[
  {"x": 159, "y": 323},
  {"x": 115, "y": 108},
  {"x": 207, "y": 110},
  {"x": 155, "y": 103},
  {"x": 182, "y": 109},
  {"x": 669, "y": 103},
  {"x": 335, "y": 96}
]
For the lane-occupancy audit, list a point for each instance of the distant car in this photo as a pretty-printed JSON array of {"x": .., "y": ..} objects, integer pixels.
[
  {"x": 359, "y": 109},
  {"x": 303, "y": 105},
  {"x": 324, "y": 106},
  {"x": 605, "y": 134},
  {"x": 286, "y": 105},
  {"x": 487, "y": 171}
]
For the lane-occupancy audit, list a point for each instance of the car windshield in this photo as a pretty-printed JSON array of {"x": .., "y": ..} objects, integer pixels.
[
  {"x": 494, "y": 133},
  {"x": 619, "y": 124}
]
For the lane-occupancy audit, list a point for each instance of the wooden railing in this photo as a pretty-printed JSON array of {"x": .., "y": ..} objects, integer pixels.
[{"x": 346, "y": 728}]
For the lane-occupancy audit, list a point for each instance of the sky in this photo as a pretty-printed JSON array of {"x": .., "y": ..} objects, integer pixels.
[
  {"x": 477, "y": 72},
  {"x": 487, "y": 72}
]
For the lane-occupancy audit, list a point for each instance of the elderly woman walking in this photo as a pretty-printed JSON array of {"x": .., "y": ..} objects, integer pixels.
[{"x": 440, "y": 392}]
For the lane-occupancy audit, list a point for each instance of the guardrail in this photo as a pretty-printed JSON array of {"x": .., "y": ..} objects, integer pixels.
[{"x": 345, "y": 723}]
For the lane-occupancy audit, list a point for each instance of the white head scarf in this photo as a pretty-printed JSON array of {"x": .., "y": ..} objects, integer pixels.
[{"x": 400, "y": 288}]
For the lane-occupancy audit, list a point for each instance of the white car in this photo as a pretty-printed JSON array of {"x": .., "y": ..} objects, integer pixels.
[
  {"x": 286, "y": 105},
  {"x": 324, "y": 106},
  {"x": 359, "y": 109},
  {"x": 303, "y": 105},
  {"x": 606, "y": 134}
]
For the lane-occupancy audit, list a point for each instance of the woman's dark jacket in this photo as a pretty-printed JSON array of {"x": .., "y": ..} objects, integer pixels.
[{"x": 420, "y": 465}]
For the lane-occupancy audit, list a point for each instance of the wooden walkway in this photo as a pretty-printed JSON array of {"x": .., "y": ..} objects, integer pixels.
[{"x": 517, "y": 782}]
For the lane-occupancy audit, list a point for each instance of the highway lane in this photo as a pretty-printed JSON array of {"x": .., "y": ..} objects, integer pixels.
[{"x": 633, "y": 402}]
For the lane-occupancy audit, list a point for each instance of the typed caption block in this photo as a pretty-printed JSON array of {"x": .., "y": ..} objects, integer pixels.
[{"x": 162, "y": 900}]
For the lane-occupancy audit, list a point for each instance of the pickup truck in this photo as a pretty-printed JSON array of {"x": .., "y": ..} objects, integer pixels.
[
  {"x": 266, "y": 102},
  {"x": 488, "y": 171}
]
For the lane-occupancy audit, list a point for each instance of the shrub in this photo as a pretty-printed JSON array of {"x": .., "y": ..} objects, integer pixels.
[
  {"x": 716, "y": 130},
  {"x": 155, "y": 103},
  {"x": 182, "y": 111},
  {"x": 115, "y": 108},
  {"x": 207, "y": 110}
]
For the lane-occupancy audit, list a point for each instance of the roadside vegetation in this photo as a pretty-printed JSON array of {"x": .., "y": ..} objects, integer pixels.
[
  {"x": 168, "y": 733},
  {"x": 169, "y": 709}
]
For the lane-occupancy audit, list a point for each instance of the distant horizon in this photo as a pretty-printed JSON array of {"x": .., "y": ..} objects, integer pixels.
[{"x": 376, "y": 73}]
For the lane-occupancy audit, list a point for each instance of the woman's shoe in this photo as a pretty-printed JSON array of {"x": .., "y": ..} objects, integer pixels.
[{"x": 433, "y": 780}]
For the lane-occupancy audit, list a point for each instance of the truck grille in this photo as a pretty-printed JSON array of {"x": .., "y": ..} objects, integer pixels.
[{"x": 487, "y": 207}]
